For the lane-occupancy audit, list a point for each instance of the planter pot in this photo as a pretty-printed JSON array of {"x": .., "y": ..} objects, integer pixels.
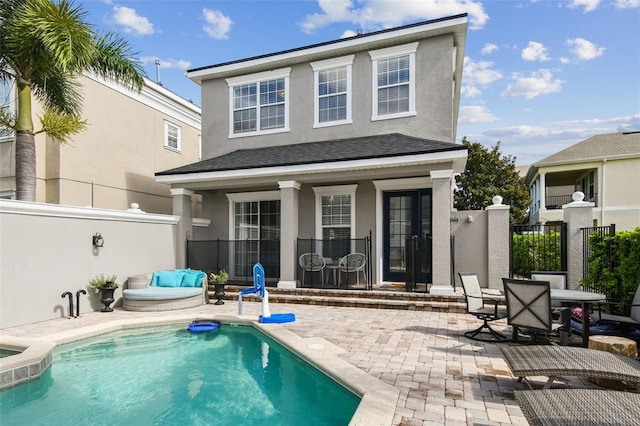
[
  {"x": 219, "y": 294},
  {"x": 106, "y": 298}
]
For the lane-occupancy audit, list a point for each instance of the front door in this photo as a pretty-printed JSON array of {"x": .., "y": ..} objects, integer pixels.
[{"x": 405, "y": 214}]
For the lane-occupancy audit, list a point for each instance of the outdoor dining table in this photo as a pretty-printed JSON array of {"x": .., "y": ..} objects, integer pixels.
[{"x": 585, "y": 298}]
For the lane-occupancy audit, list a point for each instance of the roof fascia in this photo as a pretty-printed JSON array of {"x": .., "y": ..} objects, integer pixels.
[
  {"x": 458, "y": 157},
  {"x": 357, "y": 43}
]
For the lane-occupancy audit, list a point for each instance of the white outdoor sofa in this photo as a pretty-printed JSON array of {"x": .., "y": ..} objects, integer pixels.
[{"x": 141, "y": 295}]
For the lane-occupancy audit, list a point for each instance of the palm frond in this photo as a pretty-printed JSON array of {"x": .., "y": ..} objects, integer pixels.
[
  {"x": 58, "y": 91},
  {"x": 115, "y": 61}
]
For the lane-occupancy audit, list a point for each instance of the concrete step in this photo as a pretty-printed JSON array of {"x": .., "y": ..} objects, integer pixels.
[{"x": 379, "y": 299}]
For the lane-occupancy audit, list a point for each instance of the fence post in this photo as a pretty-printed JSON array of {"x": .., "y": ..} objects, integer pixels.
[
  {"x": 498, "y": 237},
  {"x": 578, "y": 214}
]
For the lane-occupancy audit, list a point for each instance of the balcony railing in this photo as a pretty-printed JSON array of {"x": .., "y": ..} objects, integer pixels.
[{"x": 557, "y": 201}]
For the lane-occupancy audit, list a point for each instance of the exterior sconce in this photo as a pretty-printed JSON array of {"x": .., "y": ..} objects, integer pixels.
[
  {"x": 98, "y": 241},
  {"x": 469, "y": 219}
]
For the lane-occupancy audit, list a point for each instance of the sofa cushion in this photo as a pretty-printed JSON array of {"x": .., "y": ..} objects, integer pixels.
[
  {"x": 168, "y": 278},
  {"x": 161, "y": 293},
  {"x": 193, "y": 278}
]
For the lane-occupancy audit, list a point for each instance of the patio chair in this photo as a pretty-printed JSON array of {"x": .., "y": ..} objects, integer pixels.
[
  {"x": 557, "y": 281},
  {"x": 475, "y": 300},
  {"x": 529, "y": 307},
  {"x": 353, "y": 262},
  {"x": 312, "y": 262},
  {"x": 629, "y": 322}
]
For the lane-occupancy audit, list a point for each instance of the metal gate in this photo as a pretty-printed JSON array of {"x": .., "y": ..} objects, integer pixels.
[{"x": 537, "y": 248}]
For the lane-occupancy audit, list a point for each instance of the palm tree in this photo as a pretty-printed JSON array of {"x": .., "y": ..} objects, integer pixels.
[{"x": 44, "y": 46}]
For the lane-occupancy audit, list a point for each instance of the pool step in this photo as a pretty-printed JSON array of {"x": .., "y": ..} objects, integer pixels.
[{"x": 379, "y": 299}]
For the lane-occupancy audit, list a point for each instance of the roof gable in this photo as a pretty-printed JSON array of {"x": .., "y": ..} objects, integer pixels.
[{"x": 597, "y": 148}]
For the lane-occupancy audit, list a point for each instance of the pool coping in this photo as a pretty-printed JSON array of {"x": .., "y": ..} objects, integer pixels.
[{"x": 378, "y": 399}]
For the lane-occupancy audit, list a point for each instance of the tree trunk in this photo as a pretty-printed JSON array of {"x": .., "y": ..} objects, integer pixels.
[
  {"x": 25, "y": 146},
  {"x": 25, "y": 165}
]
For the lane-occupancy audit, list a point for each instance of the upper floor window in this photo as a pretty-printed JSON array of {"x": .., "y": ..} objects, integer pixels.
[
  {"x": 259, "y": 103},
  {"x": 172, "y": 136},
  {"x": 393, "y": 71},
  {"x": 7, "y": 104},
  {"x": 332, "y": 91}
]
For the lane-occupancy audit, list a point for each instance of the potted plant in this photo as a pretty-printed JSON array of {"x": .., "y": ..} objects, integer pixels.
[
  {"x": 105, "y": 285},
  {"x": 219, "y": 280}
]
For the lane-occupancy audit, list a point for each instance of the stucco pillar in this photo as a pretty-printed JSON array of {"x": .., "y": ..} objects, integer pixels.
[
  {"x": 578, "y": 214},
  {"x": 184, "y": 228},
  {"x": 497, "y": 243},
  {"x": 289, "y": 191},
  {"x": 543, "y": 191},
  {"x": 441, "y": 195}
]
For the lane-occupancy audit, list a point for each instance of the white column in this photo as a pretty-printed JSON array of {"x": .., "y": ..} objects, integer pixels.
[
  {"x": 578, "y": 214},
  {"x": 441, "y": 232},
  {"x": 289, "y": 191},
  {"x": 184, "y": 231},
  {"x": 543, "y": 191},
  {"x": 497, "y": 243}
]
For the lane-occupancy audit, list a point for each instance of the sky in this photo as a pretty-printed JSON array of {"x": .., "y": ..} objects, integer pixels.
[{"x": 539, "y": 75}]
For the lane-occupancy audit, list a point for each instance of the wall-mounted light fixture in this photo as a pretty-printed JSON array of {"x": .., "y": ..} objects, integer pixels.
[{"x": 98, "y": 241}]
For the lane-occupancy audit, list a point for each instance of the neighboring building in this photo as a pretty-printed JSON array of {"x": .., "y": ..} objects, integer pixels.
[
  {"x": 606, "y": 168},
  {"x": 111, "y": 164},
  {"x": 334, "y": 141}
]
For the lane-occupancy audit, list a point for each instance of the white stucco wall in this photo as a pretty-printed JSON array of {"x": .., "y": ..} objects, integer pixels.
[{"x": 47, "y": 249}]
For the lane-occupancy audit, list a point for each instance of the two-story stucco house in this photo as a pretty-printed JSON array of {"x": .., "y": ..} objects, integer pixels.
[
  {"x": 606, "y": 168},
  {"x": 337, "y": 140},
  {"x": 111, "y": 164}
]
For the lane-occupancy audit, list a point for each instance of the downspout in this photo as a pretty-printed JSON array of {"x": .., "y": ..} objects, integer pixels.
[{"x": 604, "y": 164}]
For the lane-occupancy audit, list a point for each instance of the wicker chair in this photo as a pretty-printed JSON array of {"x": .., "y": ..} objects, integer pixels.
[
  {"x": 353, "y": 262},
  {"x": 476, "y": 306},
  {"x": 312, "y": 262}
]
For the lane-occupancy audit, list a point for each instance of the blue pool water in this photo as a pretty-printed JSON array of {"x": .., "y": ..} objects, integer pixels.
[{"x": 164, "y": 376}]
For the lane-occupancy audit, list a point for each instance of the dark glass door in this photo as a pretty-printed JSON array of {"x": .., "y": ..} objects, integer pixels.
[{"x": 405, "y": 214}]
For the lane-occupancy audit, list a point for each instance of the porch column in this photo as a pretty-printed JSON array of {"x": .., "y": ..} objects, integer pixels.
[
  {"x": 184, "y": 228},
  {"x": 543, "y": 191},
  {"x": 441, "y": 232},
  {"x": 497, "y": 243},
  {"x": 578, "y": 214},
  {"x": 288, "y": 232}
]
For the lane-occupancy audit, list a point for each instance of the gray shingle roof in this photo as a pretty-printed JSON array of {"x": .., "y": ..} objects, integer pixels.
[
  {"x": 366, "y": 147},
  {"x": 597, "y": 147}
]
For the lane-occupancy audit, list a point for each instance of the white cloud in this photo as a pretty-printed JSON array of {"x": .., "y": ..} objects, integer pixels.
[
  {"x": 535, "y": 52},
  {"x": 131, "y": 21},
  {"x": 586, "y": 5},
  {"x": 375, "y": 14},
  {"x": 584, "y": 49},
  {"x": 180, "y": 64},
  {"x": 564, "y": 60},
  {"x": 489, "y": 48},
  {"x": 477, "y": 74},
  {"x": 348, "y": 33},
  {"x": 627, "y": 4},
  {"x": 475, "y": 114},
  {"x": 216, "y": 24},
  {"x": 535, "y": 84}
]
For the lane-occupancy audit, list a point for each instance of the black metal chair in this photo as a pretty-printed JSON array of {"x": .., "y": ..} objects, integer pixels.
[
  {"x": 475, "y": 299},
  {"x": 529, "y": 308}
]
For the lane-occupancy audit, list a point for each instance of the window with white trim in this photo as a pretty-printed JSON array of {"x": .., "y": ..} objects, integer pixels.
[
  {"x": 393, "y": 71},
  {"x": 259, "y": 103},
  {"x": 332, "y": 91},
  {"x": 7, "y": 103},
  {"x": 172, "y": 138},
  {"x": 335, "y": 219}
]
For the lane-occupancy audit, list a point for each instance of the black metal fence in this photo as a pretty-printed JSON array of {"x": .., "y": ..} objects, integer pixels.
[
  {"x": 237, "y": 257},
  {"x": 602, "y": 231},
  {"x": 418, "y": 262},
  {"x": 537, "y": 248},
  {"x": 332, "y": 274}
]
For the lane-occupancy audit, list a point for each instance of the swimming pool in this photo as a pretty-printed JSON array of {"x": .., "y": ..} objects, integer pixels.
[{"x": 236, "y": 375}]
